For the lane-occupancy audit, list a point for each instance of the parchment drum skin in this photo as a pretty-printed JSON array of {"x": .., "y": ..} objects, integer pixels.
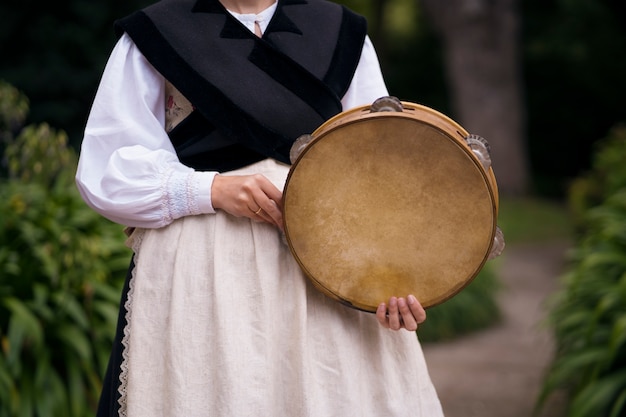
[{"x": 390, "y": 203}]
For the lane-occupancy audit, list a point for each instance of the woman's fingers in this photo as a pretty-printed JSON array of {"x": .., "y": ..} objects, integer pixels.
[
  {"x": 416, "y": 309},
  {"x": 401, "y": 313},
  {"x": 270, "y": 213},
  {"x": 381, "y": 315},
  {"x": 408, "y": 315},
  {"x": 394, "y": 317},
  {"x": 269, "y": 200},
  {"x": 252, "y": 196}
]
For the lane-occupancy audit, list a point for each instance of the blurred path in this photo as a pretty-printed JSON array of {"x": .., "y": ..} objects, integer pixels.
[{"x": 498, "y": 372}]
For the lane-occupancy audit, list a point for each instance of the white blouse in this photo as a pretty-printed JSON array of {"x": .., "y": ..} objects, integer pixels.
[{"x": 128, "y": 170}]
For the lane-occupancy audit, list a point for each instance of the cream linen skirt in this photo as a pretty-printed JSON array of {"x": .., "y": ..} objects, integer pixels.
[{"x": 222, "y": 322}]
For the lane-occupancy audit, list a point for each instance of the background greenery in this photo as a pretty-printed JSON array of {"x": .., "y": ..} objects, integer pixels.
[
  {"x": 61, "y": 267},
  {"x": 589, "y": 314}
]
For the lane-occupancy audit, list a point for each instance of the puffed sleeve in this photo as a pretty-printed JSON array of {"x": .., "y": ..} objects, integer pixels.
[
  {"x": 128, "y": 170},
  {"x": 367, "y": 84}
]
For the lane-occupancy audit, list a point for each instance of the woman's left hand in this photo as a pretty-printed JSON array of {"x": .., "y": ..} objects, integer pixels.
[{"x": 401, "y": 313}]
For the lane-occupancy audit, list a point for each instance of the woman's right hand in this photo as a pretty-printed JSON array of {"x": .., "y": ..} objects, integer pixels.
[
  {"x": 252, "y": 196},
  {"x": 401, "y": 313}
]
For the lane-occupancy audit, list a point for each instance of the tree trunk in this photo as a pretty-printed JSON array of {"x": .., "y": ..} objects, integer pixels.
[{"x": 481, "y": 43}]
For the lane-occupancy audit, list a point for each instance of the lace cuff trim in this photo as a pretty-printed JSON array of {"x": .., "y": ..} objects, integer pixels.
[{"x": 180, "y": 191}]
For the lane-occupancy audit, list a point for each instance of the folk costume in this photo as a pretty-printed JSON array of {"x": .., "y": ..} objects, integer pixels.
[{"x": 217, "y": 318}]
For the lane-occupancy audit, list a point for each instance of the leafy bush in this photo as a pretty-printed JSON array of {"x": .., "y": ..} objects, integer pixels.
[
  {"x": 58, "y": 303},
  {"x": 607, "y": 177},
  {"x": 589, "y": 314}
]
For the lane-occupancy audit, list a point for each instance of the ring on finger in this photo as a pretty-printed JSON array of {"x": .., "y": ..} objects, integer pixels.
[{"x": 257, "y": 212}]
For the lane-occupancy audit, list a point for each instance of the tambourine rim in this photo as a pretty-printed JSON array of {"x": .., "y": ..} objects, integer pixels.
[{"x": 327, "y": 128}]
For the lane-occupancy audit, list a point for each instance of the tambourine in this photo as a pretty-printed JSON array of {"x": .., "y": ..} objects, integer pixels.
[{"x": 391, "y": 199}]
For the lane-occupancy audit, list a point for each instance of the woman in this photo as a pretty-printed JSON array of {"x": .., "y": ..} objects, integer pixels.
[{"x": 187, "y": 144}]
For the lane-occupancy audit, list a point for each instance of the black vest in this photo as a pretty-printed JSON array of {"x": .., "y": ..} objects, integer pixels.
[{"x": 252, "y": 96}]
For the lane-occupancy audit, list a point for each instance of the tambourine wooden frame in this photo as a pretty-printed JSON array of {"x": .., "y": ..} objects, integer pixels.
[{"x": 428, "y": 119}]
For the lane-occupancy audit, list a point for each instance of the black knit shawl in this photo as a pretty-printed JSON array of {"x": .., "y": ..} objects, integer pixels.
[{"x": 252, "y": 96}]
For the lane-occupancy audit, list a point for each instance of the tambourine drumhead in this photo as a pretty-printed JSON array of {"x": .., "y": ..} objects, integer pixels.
[{"x": 390, "y": 204}]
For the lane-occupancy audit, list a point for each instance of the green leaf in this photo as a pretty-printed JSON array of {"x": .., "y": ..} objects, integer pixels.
[
  {"x": 76, "y": 388},
  {"x": 109, "y": 312},
  {"x": 73, "y": 338},
  {"x": 598, "y": 398},
  {"x": 27, "y": 397},
  {"x": 68, "y": 304},
  {"x": 25, "y": 330},
  {"x": 619, "y": 406},
  {"x": 51, "y": 393},
  {"x": 617, "y": 342}
]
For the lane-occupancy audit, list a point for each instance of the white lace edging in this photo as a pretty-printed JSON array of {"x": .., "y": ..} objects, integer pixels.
[
  {"x": 192, "y": 192},
  {"x": 165, "y": 197},
  {"x": 134, "y": 242},
  {"x": 180, "y": 189}
]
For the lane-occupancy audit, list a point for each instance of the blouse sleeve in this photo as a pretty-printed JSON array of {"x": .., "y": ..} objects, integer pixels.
[
  {"x": 368, "y": 83},
  {"x": 128, "y": 170}
]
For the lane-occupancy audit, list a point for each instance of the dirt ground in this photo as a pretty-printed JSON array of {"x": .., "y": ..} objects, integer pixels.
[{"x": 498, "y": 372}]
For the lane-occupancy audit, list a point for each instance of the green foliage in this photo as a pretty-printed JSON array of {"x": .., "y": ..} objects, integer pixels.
[
  {"x": 472, "y": 309},
  {"x": 607, "y": 177},
  {"x": 13, "y": 110},
  {"x": 589, "y": 314},
  {"x": 58, "y": 304}
]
